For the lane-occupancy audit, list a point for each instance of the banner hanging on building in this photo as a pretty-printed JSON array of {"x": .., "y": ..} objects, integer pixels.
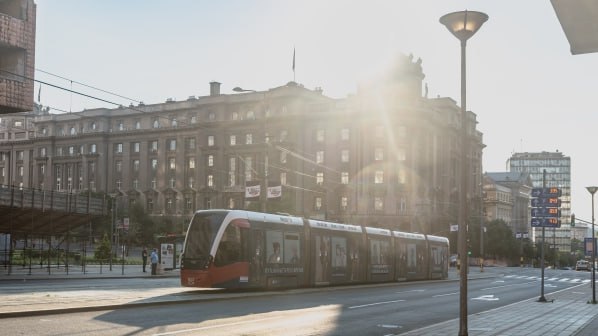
[
  {"x": 252, "y": 190},
  {"x": 274, "y": 190}
]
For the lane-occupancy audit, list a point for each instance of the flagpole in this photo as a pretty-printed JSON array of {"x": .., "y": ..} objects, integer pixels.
[{"x": 293, "y": 64}]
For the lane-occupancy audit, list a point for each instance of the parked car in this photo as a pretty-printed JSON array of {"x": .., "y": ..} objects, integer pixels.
[{"x": 582, "y": 265}]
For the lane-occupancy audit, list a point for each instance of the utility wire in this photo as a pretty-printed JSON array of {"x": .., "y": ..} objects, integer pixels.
[{"x": 89, "y": 86}]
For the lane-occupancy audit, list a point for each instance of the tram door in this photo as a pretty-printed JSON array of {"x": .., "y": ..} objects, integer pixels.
[{"x": 257, "y": 257}]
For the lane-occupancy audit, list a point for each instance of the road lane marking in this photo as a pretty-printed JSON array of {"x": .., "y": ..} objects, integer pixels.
[
  {"x": 411, "y": 291},
  {"x": 510, "y": 285},
  {"x": 215, "y": 326},
  {"x": 486, "y": 298},
  {"x": 439, "y": 295},
  {"x": 375, "y": 304}
]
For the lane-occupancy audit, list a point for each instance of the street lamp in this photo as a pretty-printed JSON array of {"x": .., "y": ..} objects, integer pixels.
[
  {"x": 592, "y": 191},
  {"x": 463, "y": 25}
]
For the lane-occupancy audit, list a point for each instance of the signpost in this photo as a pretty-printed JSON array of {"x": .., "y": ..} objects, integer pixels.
[
  {"x": 545, "y": 213},
  {"x": 546, "y": 205}
]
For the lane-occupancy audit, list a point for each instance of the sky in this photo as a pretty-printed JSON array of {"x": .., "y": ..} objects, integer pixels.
[{"x": 529, "y": 93}]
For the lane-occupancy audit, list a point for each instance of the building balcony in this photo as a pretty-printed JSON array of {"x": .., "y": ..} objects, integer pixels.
[
  {"x": 13, "y": 31},
  {"x": 15, "y": 95}
]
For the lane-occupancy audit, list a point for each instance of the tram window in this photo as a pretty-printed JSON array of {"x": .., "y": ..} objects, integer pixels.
[
  {"x": 229, "y": 250},
  {"x": 379, "y": 252},
  {"x": 274, "y": 247},
  {"x": 292, "y": 254}
]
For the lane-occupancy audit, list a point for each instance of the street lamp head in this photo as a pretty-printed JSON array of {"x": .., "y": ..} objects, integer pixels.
[
  {"x": 463, "y": 24},
  {"x": 592, "y": 189}
]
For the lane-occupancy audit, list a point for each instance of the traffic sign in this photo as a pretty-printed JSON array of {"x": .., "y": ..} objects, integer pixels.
[
  {"x": 546, "y": 192},
  {"x": 546, "y": 222},
  {"x": 546, "y": 212},
  {"x": 552, "y": 202}
]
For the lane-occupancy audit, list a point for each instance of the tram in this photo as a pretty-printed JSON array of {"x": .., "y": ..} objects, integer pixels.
[{"x": 244, "y": 249}]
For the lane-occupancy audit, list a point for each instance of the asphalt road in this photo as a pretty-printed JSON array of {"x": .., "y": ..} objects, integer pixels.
[{"x": 361, "y": 310}]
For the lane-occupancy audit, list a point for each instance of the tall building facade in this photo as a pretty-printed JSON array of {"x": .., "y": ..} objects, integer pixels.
[
  {"x": 387, "y": 156},
  {"x": 17, "y": 55},
  {"x": 507, "y": 197},
  {"x": 558, "y": 174}
]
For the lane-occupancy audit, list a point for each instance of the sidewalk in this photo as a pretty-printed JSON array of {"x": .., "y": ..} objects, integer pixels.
[{"x": 566, "y": 312}]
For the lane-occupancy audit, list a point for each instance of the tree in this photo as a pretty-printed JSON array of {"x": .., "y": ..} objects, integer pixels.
[{"x": 103, "y": 250}]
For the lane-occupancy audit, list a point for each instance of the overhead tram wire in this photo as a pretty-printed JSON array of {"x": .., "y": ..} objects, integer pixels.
[
  {"x": 132, "y": 108},
  {"x": 89, "y": 86}
]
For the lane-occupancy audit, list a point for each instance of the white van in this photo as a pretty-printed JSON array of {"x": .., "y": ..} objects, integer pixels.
[{"x": 582, "y": 265}]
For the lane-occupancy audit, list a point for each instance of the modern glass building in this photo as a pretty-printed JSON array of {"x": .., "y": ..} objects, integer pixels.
[{"x": 558, "y": 174}]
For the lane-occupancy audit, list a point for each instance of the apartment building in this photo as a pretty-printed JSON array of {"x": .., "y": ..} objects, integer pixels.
[{"x": 386, "y": 156}]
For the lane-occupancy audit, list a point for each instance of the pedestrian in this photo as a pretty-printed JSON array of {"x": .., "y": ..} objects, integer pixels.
[
  {"x": 154, "y": 260},
  {"x": 144, "y": 258}
]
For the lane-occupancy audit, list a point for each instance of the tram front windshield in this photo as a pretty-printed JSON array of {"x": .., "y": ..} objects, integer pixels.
[{"x": 201, "y": 234}]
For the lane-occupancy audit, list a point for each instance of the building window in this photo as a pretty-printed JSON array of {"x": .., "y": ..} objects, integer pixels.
[
  {"x": 378, "y": 154},
  {"x": 136, "y": 165},
  {"x": 378, "y": 204},
  {"x": 191, "y": 163},
  {"x": 211, "y": 116},
  {"x": 136, "y": 146},
  {"x": 210, "y": 180},
  {"x": 344, "y": 202},
  {"x": 156, "y": 123},
  {"x": 188, "y": 203},
  {"x": 250, "y": 115},
  {"x": 172, "y": 182},
  {"x": 21, "y": 171},
  {"x": 137, "y": 124},
  {"x": 154, "y": 164},
  {"x": 154, "y": 183},
  {"x": 20, "y": 155},
  {"x": 379, "y": 177},
  {"x": 135, "y": 184},
  {"x": 233, "y": 140},
  {"x": 210, "y": 140},
  {"x": 193, "y": 119},
  {"x": 150, "y": 205},
  {"x": 172, "y": 163},
  {"x": 119, "y": 166},
  {"x": 93, "y": 148},
  {"x": 235, "y": 116},
  {"x": 42, "y": 152},
  {"x": 345, "y": 178},
  {"x": 173, "y": 122},
  {"x": 345, "y": 134},
  {"x": 283, "y": 178},
  {"x": 118, "y": 184},
  {"x": 345, "y": 155},
  {"x": 172, "y": 144},
  {"x": 248, "y": 168},
  {"x": 72, "y": 131},
  {"x": 248, "y": 139},
  {"x": 153, "y": 146},
  {"x": 318, "y": 203},
  {"x": 210, "y": 160},
  {"x": 190, "y": 143},
  {"x": 401, "y": 155},
  {"x": 320, "y": 135},
  {"x": 118, "y": 148},
  {"x": 59, "y": 151},
  {"x": 191, "y": 182},
  {"x": 320, "y": 157},
  {"x": 120, "y": 125},
  {"x": 320, "y": 178},
  {"x": 283, "y": 157},
  {"x": 93, "y": 126}
]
